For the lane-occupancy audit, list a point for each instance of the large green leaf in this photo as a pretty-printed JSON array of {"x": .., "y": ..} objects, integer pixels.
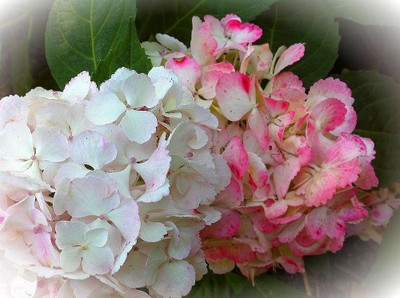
[
  {"x": 377, "y": 103},
  {"x": 175, "y": 17},
  {"x": 367, "y": 12},
  {"x": 87, "y": 34},
  {"x": 306, "y": 21},
  {"x": 232, "y": 285}
]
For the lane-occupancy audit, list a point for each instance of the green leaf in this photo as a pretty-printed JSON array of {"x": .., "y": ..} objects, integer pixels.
[
  {"x": 86, "y": 34},
  {"x": 233, "y": 285},
  {"x": 367, "y": 12},
  {"x": 21, "y": 77},
  {"x": 212, "y": 285},
  {"x": 127, "y": 53},
  {"x": 383, "y": 279},
  {"x": 306, "y": 21},
  {"x": 377, "y": 103},
  {"x": 175, "y": 17},
  {"x": 268, "y": 287}
]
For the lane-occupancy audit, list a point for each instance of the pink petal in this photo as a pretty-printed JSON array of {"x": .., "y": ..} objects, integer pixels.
[
  {"x": 259, "y": 127},
  {"x": 320, "y": 188},
  {"x": 291, "y": 55},
  {"x": 329, "y": 114},
  {"x": 236, "y": 157},
  {"x": 240, "y": 32},
  {"x": 342, "y": 160},
  {"x": 202, "y": 43},
  {"x": 226, "y": 227},
  {"x": 329, "y": 88},
  {"x": 284, "y": 174},
  {"x": 287, "y": 86},
  {"x": 231, "y": 196},
  {"x": 233, "y": 95},
  {"x": 187, "y": 69},
  {"x": 210, "y": 79}
]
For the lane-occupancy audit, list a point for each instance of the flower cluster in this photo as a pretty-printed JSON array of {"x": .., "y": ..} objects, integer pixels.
[
  {"x": 297, "y": 169},
  {"x": 381, "y": 205},
  {"x": 104, "y": 190}
]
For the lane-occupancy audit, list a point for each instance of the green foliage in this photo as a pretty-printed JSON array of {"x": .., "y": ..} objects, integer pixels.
[
  {"x": 89, "y": 35},
  {"x": 377, "y": 103},
  {"x": 21, "y": 77},
  {"x": 175, "y": 17},
  {"x": 367, "y": 12},
  {"x": 305, "y": 21},
  {"x": 232, "y": 285}
]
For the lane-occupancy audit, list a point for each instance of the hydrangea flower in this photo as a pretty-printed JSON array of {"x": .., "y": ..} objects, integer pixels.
[
  {"x": 94, "y": 179},
  {"x": 296, "y": 166}
]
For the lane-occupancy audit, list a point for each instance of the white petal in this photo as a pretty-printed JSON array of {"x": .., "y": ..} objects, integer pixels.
[
  {"x": 16, "y": 141},
  {"x": 104, "y": 108},
  {"x": 70, "y": 258},
  {"x": 70, "y": 233},
  {"x": 13, "y": 108},
  {"x": 139, "y": 125},
  {"x": 97, "y": 260},
  {"x": 139, "y": 91},
  {"x": 152, "y": 231},
  {"x": 155, "y": 195},
  {"x": 77, "y": 88},
  {"x": 96, "y": 237},
  {"x": 51, "y": 145},
  {"x": 154, "y": 170},
  {"x": 176, "y": 279},
  {"x": 93, "y": 149},
  {"x": 126, "y": 219},
  {"x": 89, "y": 196}
]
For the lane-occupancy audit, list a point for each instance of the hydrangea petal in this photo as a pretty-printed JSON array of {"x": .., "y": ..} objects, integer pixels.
[
  {"x": 154, "y": 170},
  {"x": 291, "y": 55},
  {"x": 70, "y": 233},
  {"x": 139, "y": 125},
  {"x": 139, "y": 91},
  {"x": 51, "y": 145},
  {"x": 93, "y": 149},
  {"x": 126, "y": 219},
  {"x": 17, "y": 141},
  {"x": 175, "y": 278},
  {"x": 236, "y": 157},
  {"x": 97, "y": 260},
  {"x": 233, "y": 95},
  {"x": 104, "y": 108},
  {"x": 71, "y": 258},
  {"x": 329, "y": 88}
]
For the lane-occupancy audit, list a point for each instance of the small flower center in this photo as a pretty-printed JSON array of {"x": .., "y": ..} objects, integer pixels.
[
  {"x": 38, "y": 229},
  {"x": 189, "y": 154},
  {"x": 33, "y": 157},
  {"x": 132, "y": 160}
]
